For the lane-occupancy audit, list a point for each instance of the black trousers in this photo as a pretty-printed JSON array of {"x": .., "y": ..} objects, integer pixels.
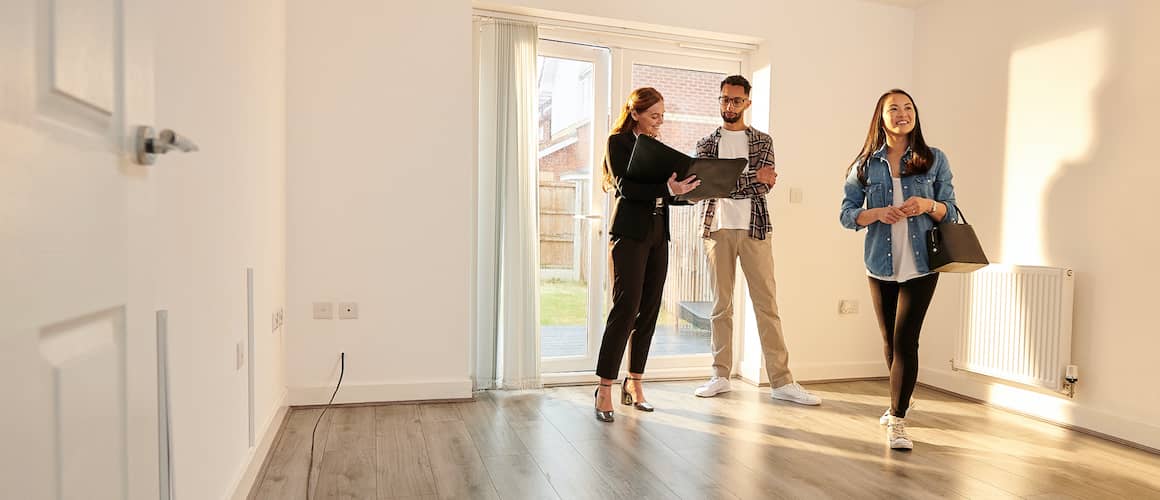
[
  {"x": 901, "y": 309},
  {"x": 638, "y": 282}
]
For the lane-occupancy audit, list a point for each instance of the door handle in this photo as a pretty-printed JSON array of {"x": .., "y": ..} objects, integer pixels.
[
  {"x": 592, "y": 218},
  {"x": 149, "y": 144}
]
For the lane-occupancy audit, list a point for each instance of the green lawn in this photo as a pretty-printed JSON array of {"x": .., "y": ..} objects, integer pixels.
[{"x": 565, "y": 303}]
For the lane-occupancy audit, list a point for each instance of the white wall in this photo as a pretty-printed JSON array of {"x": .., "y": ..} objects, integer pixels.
[
  {"x": 826, "y": 70},
  {"x": 223, "y": 211},
  {"x": 830, "y": 62},
  {"x": 379, "y": 99},
  {"x": 1049, "y": 121},
  {"x": 380, "y": 183}
]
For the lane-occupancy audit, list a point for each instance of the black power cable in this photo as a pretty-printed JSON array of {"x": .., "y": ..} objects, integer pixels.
[{"x": 310, "y": 464}]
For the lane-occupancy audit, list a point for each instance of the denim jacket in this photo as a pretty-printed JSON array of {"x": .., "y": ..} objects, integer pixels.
[{"x": 878, "y": 192}]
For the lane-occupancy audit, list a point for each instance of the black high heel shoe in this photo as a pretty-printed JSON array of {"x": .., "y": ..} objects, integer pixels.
[
  {"x": 627, "y": 399},
  {"x": 603, "y": 416}
]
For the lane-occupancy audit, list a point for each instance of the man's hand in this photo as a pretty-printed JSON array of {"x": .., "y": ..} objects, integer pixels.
[{"x": 767, "y": 176}]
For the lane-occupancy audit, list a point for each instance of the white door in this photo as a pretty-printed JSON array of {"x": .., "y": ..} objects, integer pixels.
[
  {"x": 573, "y": 127},
  {"x": 690, "y": 85},
  {"x": 78, "y": 404}
]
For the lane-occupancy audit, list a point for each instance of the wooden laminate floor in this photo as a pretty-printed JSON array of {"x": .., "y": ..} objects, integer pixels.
[{"x": 546, "y": 444}]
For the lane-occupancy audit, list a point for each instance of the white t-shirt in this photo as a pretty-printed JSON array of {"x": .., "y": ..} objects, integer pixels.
[
  {"x": 901, "y": 247},
  {"x": 733, "y": 214}
]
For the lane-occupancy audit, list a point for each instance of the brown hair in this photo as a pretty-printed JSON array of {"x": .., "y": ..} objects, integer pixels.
[
  {"x": 919, "y": 163},
  {"x": 639, "y": 100}
]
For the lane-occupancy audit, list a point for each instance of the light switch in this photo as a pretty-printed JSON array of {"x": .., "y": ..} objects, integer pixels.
[{"x": 323, "y": 310}]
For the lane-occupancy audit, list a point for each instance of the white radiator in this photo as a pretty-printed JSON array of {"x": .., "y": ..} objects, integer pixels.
[{"x": 1017, "y": 324}]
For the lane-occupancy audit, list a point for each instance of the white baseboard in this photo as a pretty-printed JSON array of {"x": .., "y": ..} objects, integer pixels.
[
  {"x": 1044, "y": 405},
  {"x": 252, "y": 465},
  {"x": 821, "y": 372},
  {"x": 376, "y": 393}
]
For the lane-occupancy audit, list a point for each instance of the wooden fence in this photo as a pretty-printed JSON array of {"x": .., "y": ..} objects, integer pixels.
[
  {"x": 558, "y": 227},
  {"x": 688, "y": 279},
  {"x": 561, "y": 249}
]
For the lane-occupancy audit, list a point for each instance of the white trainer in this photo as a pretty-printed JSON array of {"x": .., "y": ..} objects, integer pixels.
[
  {"x": 896, "y": 435},
  {"x": 713, "y": 387},
  {"x": 886, "y": 416},
  {"x": 795, "y": 393}
]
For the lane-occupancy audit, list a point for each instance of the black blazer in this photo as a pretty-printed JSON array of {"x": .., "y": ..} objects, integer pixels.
[{"x": 632, "y": 202}]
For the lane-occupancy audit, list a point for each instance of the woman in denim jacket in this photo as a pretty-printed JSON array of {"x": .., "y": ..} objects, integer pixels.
[{"x": 897, "y": 189}]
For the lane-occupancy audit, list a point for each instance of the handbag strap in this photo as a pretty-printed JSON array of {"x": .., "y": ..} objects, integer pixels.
[{"x": 961, "y": 214}]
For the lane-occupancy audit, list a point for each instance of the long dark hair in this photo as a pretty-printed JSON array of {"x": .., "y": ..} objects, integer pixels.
[
  {"x": 922, "y": 158},
  {"x": 639, "y": 100}
]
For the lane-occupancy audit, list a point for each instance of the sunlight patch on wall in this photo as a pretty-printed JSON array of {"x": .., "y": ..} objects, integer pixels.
[
  {"x": 1050, "y": 116},
  {"x": 759, "y": 111}
]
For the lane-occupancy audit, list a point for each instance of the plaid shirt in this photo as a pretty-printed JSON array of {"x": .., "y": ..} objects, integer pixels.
[{"x": 760, "y": 155}]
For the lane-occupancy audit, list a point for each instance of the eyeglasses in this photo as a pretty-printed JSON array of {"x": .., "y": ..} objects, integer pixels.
[{"x": 735, "y": 101}]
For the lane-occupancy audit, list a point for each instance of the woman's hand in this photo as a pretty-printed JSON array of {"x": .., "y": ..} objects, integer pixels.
[
  {"x": 684, "y": 186},
  {"x": 889, "y": 215},
  {"x": 916, "y": 206}
]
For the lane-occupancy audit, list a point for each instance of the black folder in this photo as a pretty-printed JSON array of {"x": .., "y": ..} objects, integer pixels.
[{"x": 654, "y": 162}]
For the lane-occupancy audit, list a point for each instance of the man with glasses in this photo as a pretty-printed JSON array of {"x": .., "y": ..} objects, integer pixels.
[{"x": 738, "y": 228}]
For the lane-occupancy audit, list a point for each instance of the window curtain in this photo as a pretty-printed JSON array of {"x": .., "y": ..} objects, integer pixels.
[{"x": 506, "y": 350}]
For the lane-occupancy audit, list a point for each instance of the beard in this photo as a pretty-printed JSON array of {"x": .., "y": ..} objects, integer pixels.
[{"x": 725, "y": 116}]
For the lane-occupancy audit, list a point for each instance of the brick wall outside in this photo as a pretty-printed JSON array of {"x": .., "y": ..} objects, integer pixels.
[
  {"x": 569, "y": 159},
  {"x": 686, "y": 92}
]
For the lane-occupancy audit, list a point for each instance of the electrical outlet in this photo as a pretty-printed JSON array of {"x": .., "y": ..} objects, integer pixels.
[
  {"x": 240, "y": 354},
  {"x": 348, "y": 310},
  {"x": 847, "y": 306},
  {"x": 323, "y": 310}
]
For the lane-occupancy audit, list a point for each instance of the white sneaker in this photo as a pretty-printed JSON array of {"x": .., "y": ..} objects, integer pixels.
[
  {"x": 713, "y": 387},
  {"x": 886, "y": 416},
  {"x": 795, "y": 393},
  {"x": 896, "y": 435}
]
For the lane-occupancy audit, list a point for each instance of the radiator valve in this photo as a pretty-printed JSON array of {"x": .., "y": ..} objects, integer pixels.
[{"x": 1071, "y": 375}]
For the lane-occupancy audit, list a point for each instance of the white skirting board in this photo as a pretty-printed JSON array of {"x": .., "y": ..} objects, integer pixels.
[
  {"x": 821, "y": 372},
  {"x": 1047, "y": 406},
  {"x": 252, "y": 465},
  {"x": 375, "y": 393},
  {"x": 816, "y": 372}
]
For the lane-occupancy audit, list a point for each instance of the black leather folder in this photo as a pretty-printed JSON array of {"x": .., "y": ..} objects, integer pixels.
[{"x": 654, "y": 162}]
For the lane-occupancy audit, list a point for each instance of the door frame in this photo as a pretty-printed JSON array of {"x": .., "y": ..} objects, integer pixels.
[{"x": 625, "y": 48}]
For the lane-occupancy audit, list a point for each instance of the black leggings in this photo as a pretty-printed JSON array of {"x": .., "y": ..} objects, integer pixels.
[
  {"x": 638, "y": 280},
  {"x": 901, "y": 307}
]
